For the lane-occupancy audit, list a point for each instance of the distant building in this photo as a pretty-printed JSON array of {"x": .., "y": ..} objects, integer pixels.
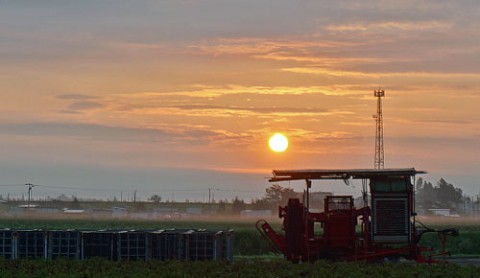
[
  {"x": 256, "y": 213},
  {"x": 34, "y": 209},
  {"x": 443, "y": 212},
  {"x": 317, "y": 200},
  {"x": 27, "y": 206},
  {"x": 193, "y": 210},
  {"x": 47, "y": 210},
  {"x": 73, "y": 211},
  {"x": 119, "y": 212}
]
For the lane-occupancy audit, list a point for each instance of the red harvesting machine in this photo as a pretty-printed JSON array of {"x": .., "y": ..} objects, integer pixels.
[{"x": 384, "y": 228}]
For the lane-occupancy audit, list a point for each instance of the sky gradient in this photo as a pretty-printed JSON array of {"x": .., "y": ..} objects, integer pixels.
[{"x": 175, "y": 97}]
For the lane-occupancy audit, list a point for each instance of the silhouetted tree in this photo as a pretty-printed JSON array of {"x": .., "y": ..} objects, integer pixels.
[
  {"x": 238, "y": 205},
  {"x": 261, "y": 203},
  {"x": 442, "y": 195},
  {"x": 426, "y": 195},
  {"x": 155, "y": 198},
  {"x": 75, "y": 204},
  {"x": 447, "y": 193},
  {"x": 275, "y": 196},
  {"x": 221, "y": 206},
  {"x": 278, "y": 195}
]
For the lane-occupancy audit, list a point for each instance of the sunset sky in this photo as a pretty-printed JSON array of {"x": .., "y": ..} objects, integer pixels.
[{"x": 175, "y": 97}]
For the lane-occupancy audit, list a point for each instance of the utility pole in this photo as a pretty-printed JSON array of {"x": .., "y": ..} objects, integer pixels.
[
  {"x": 211, "y": 197},
  {"x": 379, "y": 151},
  {"x": 209, "y": 200},
  {"x": 30, "y": 186}
]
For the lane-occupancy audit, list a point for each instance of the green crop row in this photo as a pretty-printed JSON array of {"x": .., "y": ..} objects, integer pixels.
[
  {"x": 466, "y": 243},
  {"x": 123, "y": 224}
]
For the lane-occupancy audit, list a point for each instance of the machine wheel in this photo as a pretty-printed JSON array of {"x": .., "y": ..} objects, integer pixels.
[{"x": 326, "y": 254}]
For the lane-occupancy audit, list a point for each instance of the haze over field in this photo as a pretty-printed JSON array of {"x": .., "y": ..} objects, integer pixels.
[{"x": 175, "y": 97}]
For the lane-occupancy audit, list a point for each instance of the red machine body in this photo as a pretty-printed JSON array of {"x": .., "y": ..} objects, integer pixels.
[{"x": 383, "y": 228}]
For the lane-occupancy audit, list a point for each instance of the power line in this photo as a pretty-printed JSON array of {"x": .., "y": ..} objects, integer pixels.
[
  {"x": 85, "y": 189},
  {"x": 77, "y": 188}
]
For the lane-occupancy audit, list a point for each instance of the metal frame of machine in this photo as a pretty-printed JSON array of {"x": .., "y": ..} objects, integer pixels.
[{"x": 384, "y": 228}]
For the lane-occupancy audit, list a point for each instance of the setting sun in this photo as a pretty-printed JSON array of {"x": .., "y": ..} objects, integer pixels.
[{"x": 278, "y": 142}]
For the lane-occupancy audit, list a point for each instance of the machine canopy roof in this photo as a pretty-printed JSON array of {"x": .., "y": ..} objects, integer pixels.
[{"x": 318, "y": 174}]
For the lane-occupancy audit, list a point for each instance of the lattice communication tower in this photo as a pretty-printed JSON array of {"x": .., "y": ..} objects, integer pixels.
[{"x": 379, "y": 153}]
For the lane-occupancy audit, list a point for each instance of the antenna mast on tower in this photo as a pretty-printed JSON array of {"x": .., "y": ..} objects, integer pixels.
[{"x": 379, "y": 153}]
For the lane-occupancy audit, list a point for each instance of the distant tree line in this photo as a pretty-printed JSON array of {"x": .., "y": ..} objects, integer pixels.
[
  {"x": 428, "y": 196},
  {"x": 442, "y": 195}
]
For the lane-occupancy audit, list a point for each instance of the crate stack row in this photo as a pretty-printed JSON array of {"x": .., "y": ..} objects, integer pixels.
[{"x": 172, "y": 244}]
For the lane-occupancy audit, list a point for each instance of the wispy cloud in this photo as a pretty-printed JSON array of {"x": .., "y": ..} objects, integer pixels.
[
  {"x": 77, "y": 97},
  {"x": 260, "y": 46},
  {"x": 298, "y": 50},
  {"x": 80, "y": 103},
  {"x": 199, "y": 91},
  {"x": 392, "y": 26},
  {"x": 236, "y": 111},
  {"x": 442, "y": 122},
  {"x": 84, "y": 105},
  {"x": 363, "y": 74},
  {"x": 105, "y": 133}
]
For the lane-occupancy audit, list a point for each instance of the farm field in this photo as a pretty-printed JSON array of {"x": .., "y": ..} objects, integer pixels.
[
  {"x": 248, "y": 241},
  {"x": 252, "y": 255}
]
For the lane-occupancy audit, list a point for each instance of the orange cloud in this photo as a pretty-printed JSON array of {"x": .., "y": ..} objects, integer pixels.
[{"x": 376, "y": 27}]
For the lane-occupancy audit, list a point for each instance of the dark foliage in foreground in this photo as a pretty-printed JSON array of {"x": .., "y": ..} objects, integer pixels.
[{"x": 242, "y": 268}]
